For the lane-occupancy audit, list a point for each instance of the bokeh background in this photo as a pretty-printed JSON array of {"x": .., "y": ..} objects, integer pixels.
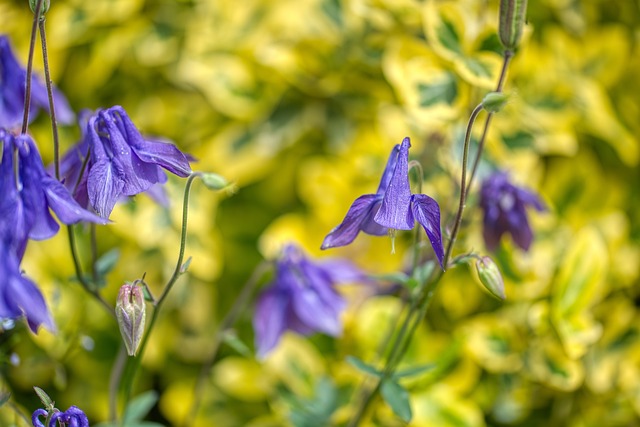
[{"x": 299, "y": 103}]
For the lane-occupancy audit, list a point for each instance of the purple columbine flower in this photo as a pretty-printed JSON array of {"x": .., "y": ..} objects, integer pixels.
[
  {"x": 28, "y": 195},
  {"x": 121, "y": 162},
  {"x": 19, "y": 296},
  {"x": 301, "y": 298},
  {"x": 72, "y": 417},
  {"x": 505, "y": 211},
  {"x": 12, "y": 92},
  {"x": 392, "y": 207}
]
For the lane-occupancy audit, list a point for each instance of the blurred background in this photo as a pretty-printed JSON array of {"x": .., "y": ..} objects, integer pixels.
[{"x": 299, "y": 102}]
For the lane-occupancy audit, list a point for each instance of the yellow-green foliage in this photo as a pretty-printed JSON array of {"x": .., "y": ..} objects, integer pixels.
[{"x": 299, "y": 103}]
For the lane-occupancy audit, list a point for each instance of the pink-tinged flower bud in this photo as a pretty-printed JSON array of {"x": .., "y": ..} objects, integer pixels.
[
  {"x": 130, "y": 312},
  {"x": 490, "y": 276},
  {"x": 512, "y": 17}
]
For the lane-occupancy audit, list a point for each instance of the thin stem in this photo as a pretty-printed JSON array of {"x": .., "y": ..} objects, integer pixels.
[
  {"x": 114, "y": 381},
  {"x": 463, "y": 184},
  {"x": 32, "y": 46},
  {"x": 229, "y": 320},
  {"x": 52, "y": 111},
  {"x": 503, "y": 76},
  {"x": 94, "y": 251},
  {"x": 80, "y": 275},
  {"x": 135, "y": 363}
]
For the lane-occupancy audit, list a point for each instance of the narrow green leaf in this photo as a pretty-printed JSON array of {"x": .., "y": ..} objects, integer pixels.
[
  {"x": 361, "y": 366},
  {"x": 4, "y": 398},
  {"x": 185, "y": 266},
  {"x": 397, "y": 398},
  {"x": 397, "y": 277},
  {"x": 413, "y": 371},
  {"x": 107, "y": 262},
  {"x": 140, "y": 406},
  {"x": 44, "y": 398},
  {"x": 448, "y": 36},
  {"x": 231, "y": 339}
]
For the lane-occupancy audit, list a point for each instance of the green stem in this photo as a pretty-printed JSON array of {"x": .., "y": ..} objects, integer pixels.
[
  {"x": 52, "y": 111},
  {"x": 228, "y": 321},
  {"x": 80, "y": 275},
  {"x": 27, "y": 92},
  {"x": 503, "y": 76},
  {"x": 135, "y": 362},
  {"x": 463, "y": 184}
]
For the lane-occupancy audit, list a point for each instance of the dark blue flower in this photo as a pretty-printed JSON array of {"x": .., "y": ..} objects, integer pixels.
[
  {"x": 28, "y": 195},
  {"x": 19, "y": 296},
  {"x": 392, "y": 207},
  {"x": 12, "y": 92},
  {"x": 301, "y": 298},
  {"x": 120, "y": 161},
  {"x": 505, "y": 211},
  {"x": 72, "y": 417}
]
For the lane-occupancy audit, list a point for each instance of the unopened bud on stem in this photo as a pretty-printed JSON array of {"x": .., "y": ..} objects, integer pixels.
[
  {"x": 512, "y": 17},
  {"x": 130, "y": 312},
  {"x": 33, "y": 4},
  {"x": 490, "y": 276},
  {"x": 494, "y": 101}
]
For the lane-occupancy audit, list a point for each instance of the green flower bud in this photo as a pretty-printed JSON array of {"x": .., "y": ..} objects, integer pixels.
[
  {"x": 494, "y": 101},
  {"x": 213, "y": 181},
  {"x": 512, "y": 17},
  {"x": 490, "y": 276},
  {"x": 44, "y": 8},
  {"x": 130, "y": 312}
]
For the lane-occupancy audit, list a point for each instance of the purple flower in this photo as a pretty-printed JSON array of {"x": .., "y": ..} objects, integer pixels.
[
  {"x": 505, "y": 211},
  {"x": 301, "y": 298},
  {"x": 392, "y": 207},
  {"x": 28, "y": 195},
  {"x": 120, "y": 161},
  {"x": 19, "y": 296},
  {"x": 72, "y": 417},
  {"x": 12, "y": 92}
]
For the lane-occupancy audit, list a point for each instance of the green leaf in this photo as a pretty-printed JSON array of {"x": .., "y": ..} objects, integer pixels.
[
  {"x": 107, "y": 262},
  {"x": 448, "y": 36},
  {"x": 443, "y": 90},
  {"x": 477, "y": 68},
  {"x": 413, "y": 371},
  {"x": 397, "y": 277},
  {"x": 140, "y": 406},
  {"x": 361, "y": 366},
  {"x": 519, "y": 139},
  {"x": 4, "y": 398},
  {"x": 231, "y": 339},
  {"x": 422, "y": 273},
  {"x": 333, "y": 9},
  {"x": 397, "y": 398},
  {"x": 44, "y": 398}
]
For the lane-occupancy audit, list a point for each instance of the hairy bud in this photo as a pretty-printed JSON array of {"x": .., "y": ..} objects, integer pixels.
[
  {"x": 512, "y": 17},
  {"x": 490, "y": 276},
  {"x": 130, "y": 312}
]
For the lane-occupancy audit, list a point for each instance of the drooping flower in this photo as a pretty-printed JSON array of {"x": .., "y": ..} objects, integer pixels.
[
  {"x": 505, "y": 211},
  {"x": 301, "y": 298},
  {"x": 28, "y": 195},
  {"x": 12, "y": 92},
  {"x": 19, "y": 296},
  {"x": 72, "y": 417},
  {"x": 392, "y": 207},
  {"x": 121, "y": 162}
]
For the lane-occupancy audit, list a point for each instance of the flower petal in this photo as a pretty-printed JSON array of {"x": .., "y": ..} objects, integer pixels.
[
  {"x": 66, "y": 208},
  {"x": 427, "y": 213},
  {"x": 163, "y": 154},
  {"x": 315, "y": 312},
  {"x": 395, "y": 210},
  {"x": 269, "y": 320},
  {"x": 346, "y": 232},
  {"x": 388, "y": 170},
  {"x": 104, "y": 185}
]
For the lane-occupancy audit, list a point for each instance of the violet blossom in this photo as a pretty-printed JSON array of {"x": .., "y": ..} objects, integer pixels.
[
  {"x": 392, "y": 207},
  {"x": 72, "y": 417},
  {"x": 505, "y": 211},
  {"x": 121, "y": 162},
  {"x": 12, "y": 92},
  {"x": 301, "y": 298}
]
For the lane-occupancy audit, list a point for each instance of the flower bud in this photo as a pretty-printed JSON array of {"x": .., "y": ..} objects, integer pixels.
[
  {"x": 512, "y": 17},
  {"x": 130, "y": 312},
  {"x": 44, "y": 5},
  {"x": 494, "y": 101},
  {"x": 213, "y": 181},
  {"x": 490, "y": 276}
]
